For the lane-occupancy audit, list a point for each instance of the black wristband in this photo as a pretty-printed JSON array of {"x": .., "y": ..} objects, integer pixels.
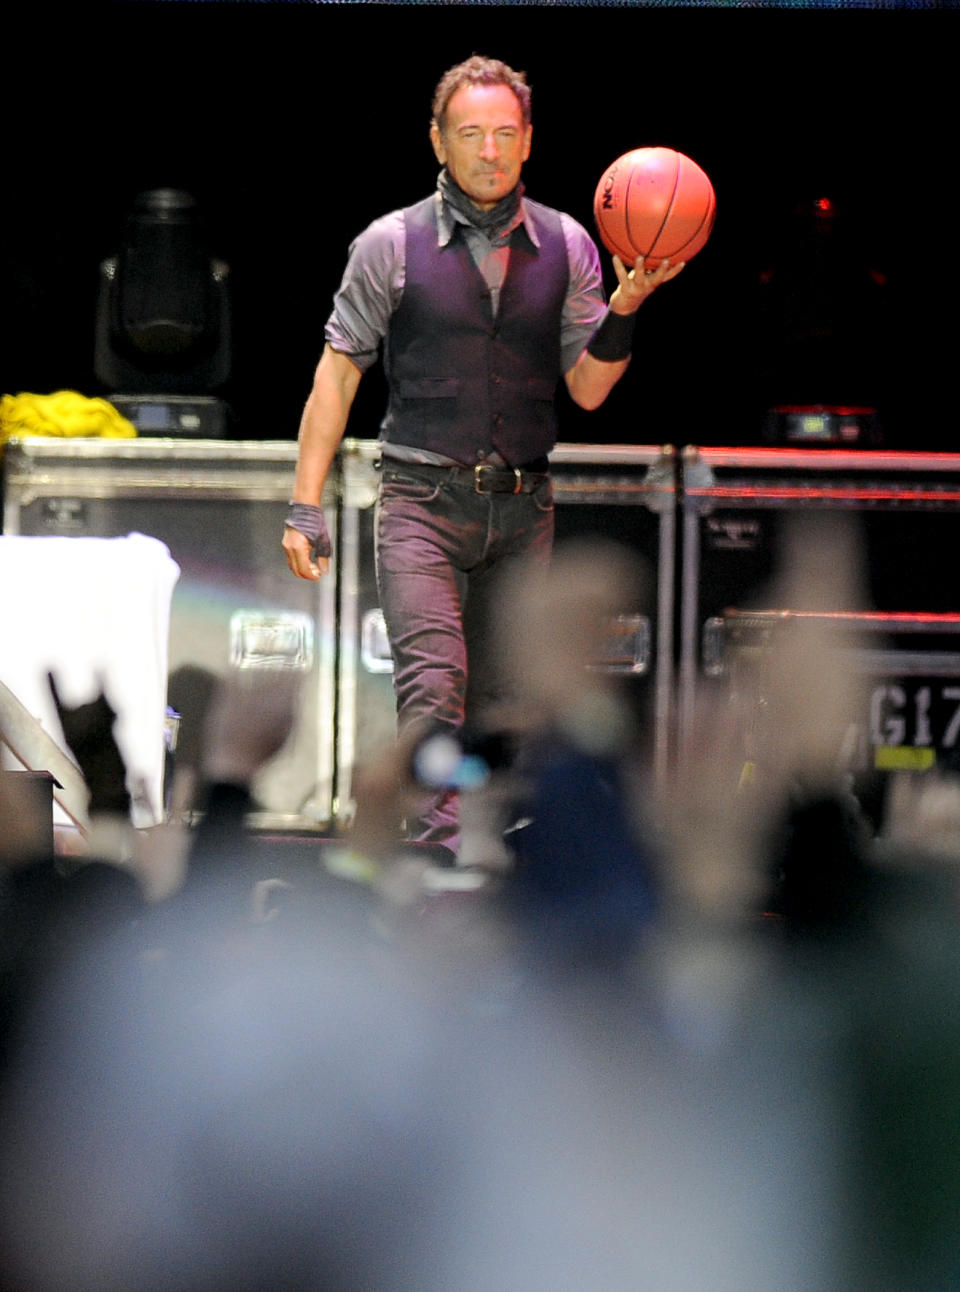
[
  {"x": 310, "y": 520},
  {"x": 613, "y": 339}
]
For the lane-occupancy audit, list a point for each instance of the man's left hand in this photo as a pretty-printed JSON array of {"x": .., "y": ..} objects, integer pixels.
[{"x": 636, "y": 284}]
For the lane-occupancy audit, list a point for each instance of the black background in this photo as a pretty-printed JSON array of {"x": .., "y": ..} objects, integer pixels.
[{"x": 294, "y": 125}]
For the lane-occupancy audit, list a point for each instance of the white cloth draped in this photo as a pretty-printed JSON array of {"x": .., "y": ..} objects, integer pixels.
[{"x": 94, "y": 612}]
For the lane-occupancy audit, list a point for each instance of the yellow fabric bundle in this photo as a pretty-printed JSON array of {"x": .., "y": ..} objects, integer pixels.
[{"x": 64, "y": 413}]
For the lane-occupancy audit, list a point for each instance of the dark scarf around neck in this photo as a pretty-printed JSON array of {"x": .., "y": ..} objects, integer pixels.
[{"x": 494, "y": 222}]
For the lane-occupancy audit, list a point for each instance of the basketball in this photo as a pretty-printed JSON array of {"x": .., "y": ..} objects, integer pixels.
[{"x": 655, "y": 203}]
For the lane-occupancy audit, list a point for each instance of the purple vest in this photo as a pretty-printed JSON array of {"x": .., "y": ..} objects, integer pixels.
[{"x": 462, "y": 382}]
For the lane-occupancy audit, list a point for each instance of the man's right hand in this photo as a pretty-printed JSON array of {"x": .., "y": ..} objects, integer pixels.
[
  {"x": 322, "y": 427},
  {"x": 300, "y": 558}
]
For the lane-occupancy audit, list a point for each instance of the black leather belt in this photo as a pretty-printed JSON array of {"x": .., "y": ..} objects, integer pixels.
[{"x": 483, "y": 478}]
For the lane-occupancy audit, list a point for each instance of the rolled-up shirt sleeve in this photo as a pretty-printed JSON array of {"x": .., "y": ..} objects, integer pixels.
[
  {"x": 586, "y": 301},
  {"x": 369, "y": 291}
]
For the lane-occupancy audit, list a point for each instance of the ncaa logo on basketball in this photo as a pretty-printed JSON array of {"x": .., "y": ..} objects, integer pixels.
[{"x": 607, "y": 200}]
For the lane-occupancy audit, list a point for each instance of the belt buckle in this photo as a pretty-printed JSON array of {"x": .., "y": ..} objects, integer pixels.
[
  {"x": 488, "y": 466},
  {"x": 478, "y": 470}
]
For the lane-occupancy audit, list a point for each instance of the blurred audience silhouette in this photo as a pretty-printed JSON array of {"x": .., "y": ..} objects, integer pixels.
[{"x": 697, "y": 1033}]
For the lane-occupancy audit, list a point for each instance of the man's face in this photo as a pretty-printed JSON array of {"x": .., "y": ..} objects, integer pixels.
[{"x": 485, "y": 142}]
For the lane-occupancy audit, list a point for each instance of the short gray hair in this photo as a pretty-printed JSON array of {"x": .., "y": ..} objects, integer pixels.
[{"x": 477, "y": 70}]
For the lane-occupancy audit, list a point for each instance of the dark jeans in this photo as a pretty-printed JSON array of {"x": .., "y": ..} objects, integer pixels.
[{"x": 442, "y": 549}]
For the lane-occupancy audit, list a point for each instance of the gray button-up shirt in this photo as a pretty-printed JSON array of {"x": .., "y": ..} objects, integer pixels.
[{"x": 374, "y": 278}]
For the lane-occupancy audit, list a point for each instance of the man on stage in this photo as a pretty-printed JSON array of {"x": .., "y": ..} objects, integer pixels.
[{"x": 482, "y": 300}]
